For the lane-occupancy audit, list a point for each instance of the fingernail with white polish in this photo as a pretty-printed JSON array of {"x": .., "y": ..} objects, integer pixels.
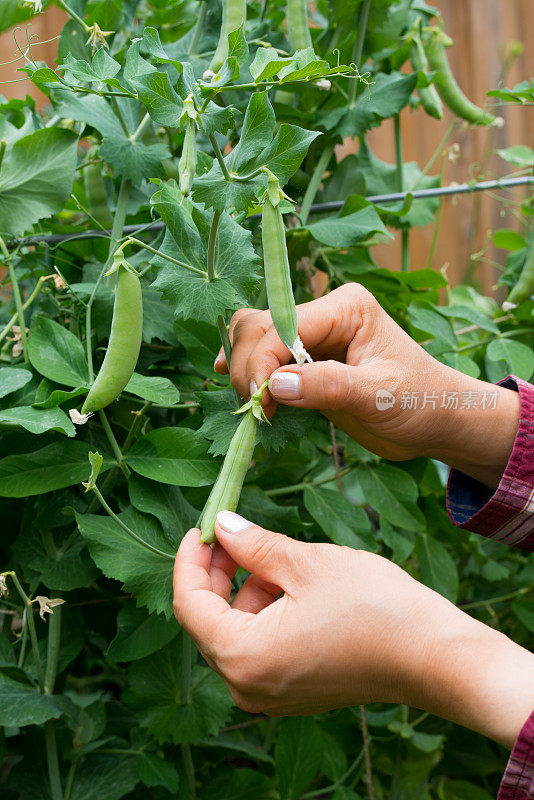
[
  {"x": 231, "y": 522},
  {"x": 286, "y": 386},
  {"x": 253, "y": 387}
]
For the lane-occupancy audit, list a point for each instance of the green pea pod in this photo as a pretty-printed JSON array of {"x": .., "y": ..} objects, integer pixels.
[
  {"x": 227, "y": 488},
  {"x": 188, "y": 159},
  {"x": 524, "y": 287},
  {"x": 277, "y": 273},
  {"x": 234, "y": 14},
  {"x": 428, "y": 95},
  {"x": 124, "y": 344},
  {"x": 448, "y": 89},
  {"x": 97, "y": 198},
  {"x": 298, "y": 30}
]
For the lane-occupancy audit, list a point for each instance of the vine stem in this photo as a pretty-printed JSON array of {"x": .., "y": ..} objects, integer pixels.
[
  {"x": 52, "y": 657},
  {"x": 31, "y": 627},
  {"x": 114, "y": 444},
  {"x": 405, "y": 259},
  {"x": 357, "y": 50},
  {"x": 219, "y": 157},
  {"x": 118, "y": 112},
  {"x": 52, "y": 760},
  {"x": 189, "y": 768},
  {"x": 311, "y": 190},
  {"x": 25, "y": 305},
  {"x": 199, "y": 27},
  {"x": 16, "y": 294},
  {"x": 298, "y": 487},
  {"x": 2, "y": 150},
  {"x": 500, "y": 599},
  {"x": 136, "y": 426},
  {"x": 128, "y": 530},
  {"x": 172, "y": 260},
  {"x": 211, "y": 245},
  {"x": 73, "y": 15}
]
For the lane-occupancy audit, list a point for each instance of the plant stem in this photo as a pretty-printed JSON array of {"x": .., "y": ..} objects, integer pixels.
[
  {"x": 270, "y": 733},
  {"x": 129, "y": 531},
  {"x": 141, "y": 128},
  {"x": 2, "y": 151},
  {"x": 219, "y": 157},
  {"x": 70, "y": 780},
  {"x": 114, "y": 444},
  {"x": 31, "y": 627},
  {"x": 367, "y": 752},
  {"x": 25, "y": 305},
  {"x": 357, "y": 50},
  {"x": 74, "y": 16},
  {"x": 172, "y": 260},
  {"x": 340, "y": 782},
  {"x": 116, "y": 232},
  {"x": 436, "y": 154},
  {"x": 225, "y": 339},
  {"x": 437, "y": 223},
  {"x": 316, "y": 178},
  {"x": 405, "y": 259},
  {"x": 199, "y": 27},
  {"x": 298, "y": 487},
  {"x": 500, "y": 599},
  {"x": 189, "y": 769},
  {"x": 135, "y": 428},
  {"x": 211, "y": 245},
  {"x": 16, "y": 294},
  {"x": 54, "y": 776},
  {"x": 118, "y": 112}
]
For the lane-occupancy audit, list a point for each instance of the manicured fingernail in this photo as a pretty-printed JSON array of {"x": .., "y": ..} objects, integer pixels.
[
  {"x": 286, "y": 386},
  {"x": 253, "y": 387},
  {"x": 232, "y": 523},
  {"x": 219, "y": 361}
]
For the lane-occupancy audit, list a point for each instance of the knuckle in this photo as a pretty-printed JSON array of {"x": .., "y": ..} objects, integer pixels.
[
  {"x": 265, "y": 548},
  {"x": 336, "y": 384}
]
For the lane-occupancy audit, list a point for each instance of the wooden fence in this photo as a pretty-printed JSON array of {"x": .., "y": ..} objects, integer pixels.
[{"x": 482, "y": 31}]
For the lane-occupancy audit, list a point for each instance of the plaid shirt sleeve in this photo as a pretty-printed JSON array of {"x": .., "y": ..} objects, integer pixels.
[
  {"x": 506, "y": 514},
  {"x": 518, "y": 780}
]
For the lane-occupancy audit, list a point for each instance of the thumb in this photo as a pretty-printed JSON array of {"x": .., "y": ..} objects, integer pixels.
[
  {"x": 271, "y": 556},
  {"x": 323, "y": 385}
]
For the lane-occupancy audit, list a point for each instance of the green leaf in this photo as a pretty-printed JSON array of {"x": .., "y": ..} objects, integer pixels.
[
  {"x": 53, "y": 467},
  {"x": 401, "y": 542},
  {"x": 392, "y": 493},
  {"x": 237, "y": 46},
  {"x": 139, "y": 634},
  {"x": 437, "y": 567},
  {"x": 425, "y": 318},
  {"x": 461, "y": 363},
  {"x": 103, "y": 67},
  {"x": 133, "y": 159},
  {"x": 506, "y": 356},
  {"x": 349, "y": 230},
  {"x": 166, "y": 503},
  {"x": 57, "y": 396},
  {"x": 12, "y": 379},
  {"x": 339, "y": 519},
  {"x": 297, "y": 756},
  {"x": 266, "y": 64},
  {"x": 255, "y": 505},
  {"x": 508, "y": 240},
  {"x": 471, "y": 315},
  {"x": 159, "y": 98},
  {"x": 155, "y": 771},
  {"x": 38, "y": 420},
  {"x": 36, "y": 178},
  {"x": 193, "y": 296},
  {"x": 143, "y": 572},
  {"x": 103, "y": 777},
  {"x": 256, "y": 133},
  {"x": 61, "y": 568},
  {"x": 239, "y": 783},
  {"x": 153, "y": 388},
  {"x": 22, "y": 705},
  {"x": 463, "y": 790},
  {"x": 153, "y": 692},
  {"x": 178, "y": 456},
  {"x": 524, "y": 611},
  {"x": 520, "y": 155},
  {"x": 57, "y": 353},
  {"x": 201, "y": 342}
]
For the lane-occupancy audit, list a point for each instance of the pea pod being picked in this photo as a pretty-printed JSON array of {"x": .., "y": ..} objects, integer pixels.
[
  {"x": 277, "y": 272},
  {"x": 124, "y": 340},
  {"x": 227, "y": 488}
]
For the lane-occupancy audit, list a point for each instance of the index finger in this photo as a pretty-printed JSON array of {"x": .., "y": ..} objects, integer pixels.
[{"x": 203, "y": 613}]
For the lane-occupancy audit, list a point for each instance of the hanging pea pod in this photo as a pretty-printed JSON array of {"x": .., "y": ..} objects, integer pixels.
[
  {"x": 97, "y": 199},
  {"x": 298, "y": 30},
  {"x": 234, "y": 14},
  {"x": 227, "y": 488},
  {"x": 447, "y": 87},
  {"x": 124, "y": 340},
  {"x": 428, "y": 95},
  {"x": 189, "y": 119},
  {"x": 277, "y": 272},
  {"x": 524, "y": 288}
]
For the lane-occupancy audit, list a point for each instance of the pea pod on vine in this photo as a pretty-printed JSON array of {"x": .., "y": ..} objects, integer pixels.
[
  {"x": 524, "y": 287},
  {"x": 277, "y": 272},
  {"x": 234, "y": 14},
  {"x": 124, "y": 340},
  {"x": 428, "y": 95},
  {"x": 227, "y": 488},
  {"x": 97, "y": 199},
  {"x": 298, "y": 30},
  {"x": 189, "y": 119}
]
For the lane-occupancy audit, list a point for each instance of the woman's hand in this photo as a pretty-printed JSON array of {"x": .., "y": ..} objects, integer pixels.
[
  {"x": 349, "y": 628},
  {"x": 377, "y": 384}
]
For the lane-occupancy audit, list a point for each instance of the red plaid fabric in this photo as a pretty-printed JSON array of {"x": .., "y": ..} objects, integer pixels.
[
  {"x": 507, "y": 514},
  {"x": 518, "y": 780}
]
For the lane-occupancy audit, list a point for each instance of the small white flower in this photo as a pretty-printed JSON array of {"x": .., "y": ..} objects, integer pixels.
[
  {"x": 3, "y": 586},
  {"x": 46, "y": 605},
  {"x": 59, "y": 282},
  {"x": 35, "y": 5},
  {"x": 324, "y": 83},
  {"x": 208, "y": 75},
  {"x": 508, "y": 306},
  {"x": 77, "y": 418},
  {"x": 17, "y": 341},
  {"x": 97, "y": 37}
]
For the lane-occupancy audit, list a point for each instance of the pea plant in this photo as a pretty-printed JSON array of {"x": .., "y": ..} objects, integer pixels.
[{"x": 183, "y": 166}]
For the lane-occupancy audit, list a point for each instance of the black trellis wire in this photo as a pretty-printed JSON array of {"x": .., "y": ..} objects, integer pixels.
[{"x": 318, "y": 208}]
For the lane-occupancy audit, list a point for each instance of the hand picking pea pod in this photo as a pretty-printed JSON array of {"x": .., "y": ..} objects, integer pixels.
[
  {"x": 227, "y": 488},
  {"x": 234, "y": 14},
  {"x": 448, "y": 89},
  {"x": 277, "y": 272},
  {"x": 124, "y": 341}
]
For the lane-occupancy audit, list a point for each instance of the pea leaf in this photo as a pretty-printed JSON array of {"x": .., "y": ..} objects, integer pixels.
[
  {"x": 178, "y": 456},
  {"x": 13, "y": 378},
  {"x": 143, "y": 572},
  {"x": 22, "y": 705},
  {"x": 155, "y": 771},
  {"x": 202, "y": 343},
  {"x": 103, "y": 777},
  {"x": 425, "y": 318},
  {"x": 153, "y": 388},
  {"x": 339, "y": 519},
  {"x": 55, "y": 466},
  {"x": 68, "y": 568},
  {"x": 36, "y": 179},
  {"x": 437, "y": 567},
  {"x": 505, "y": 356},
  {"x": 159, "y": 98},
  {"x": 297, "y": 756},
  {"x": 194, "y": 296},
  {"x": 348, "y": 230},
  {"x": 139, "y": 634},
  {"x": 154, "y": 691},
  {"x": 166, "y": 503},
  {"x": 36, "y": 420},
  {"x": 392, "y": 493},
  {"x": 57, "y": 353}
]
